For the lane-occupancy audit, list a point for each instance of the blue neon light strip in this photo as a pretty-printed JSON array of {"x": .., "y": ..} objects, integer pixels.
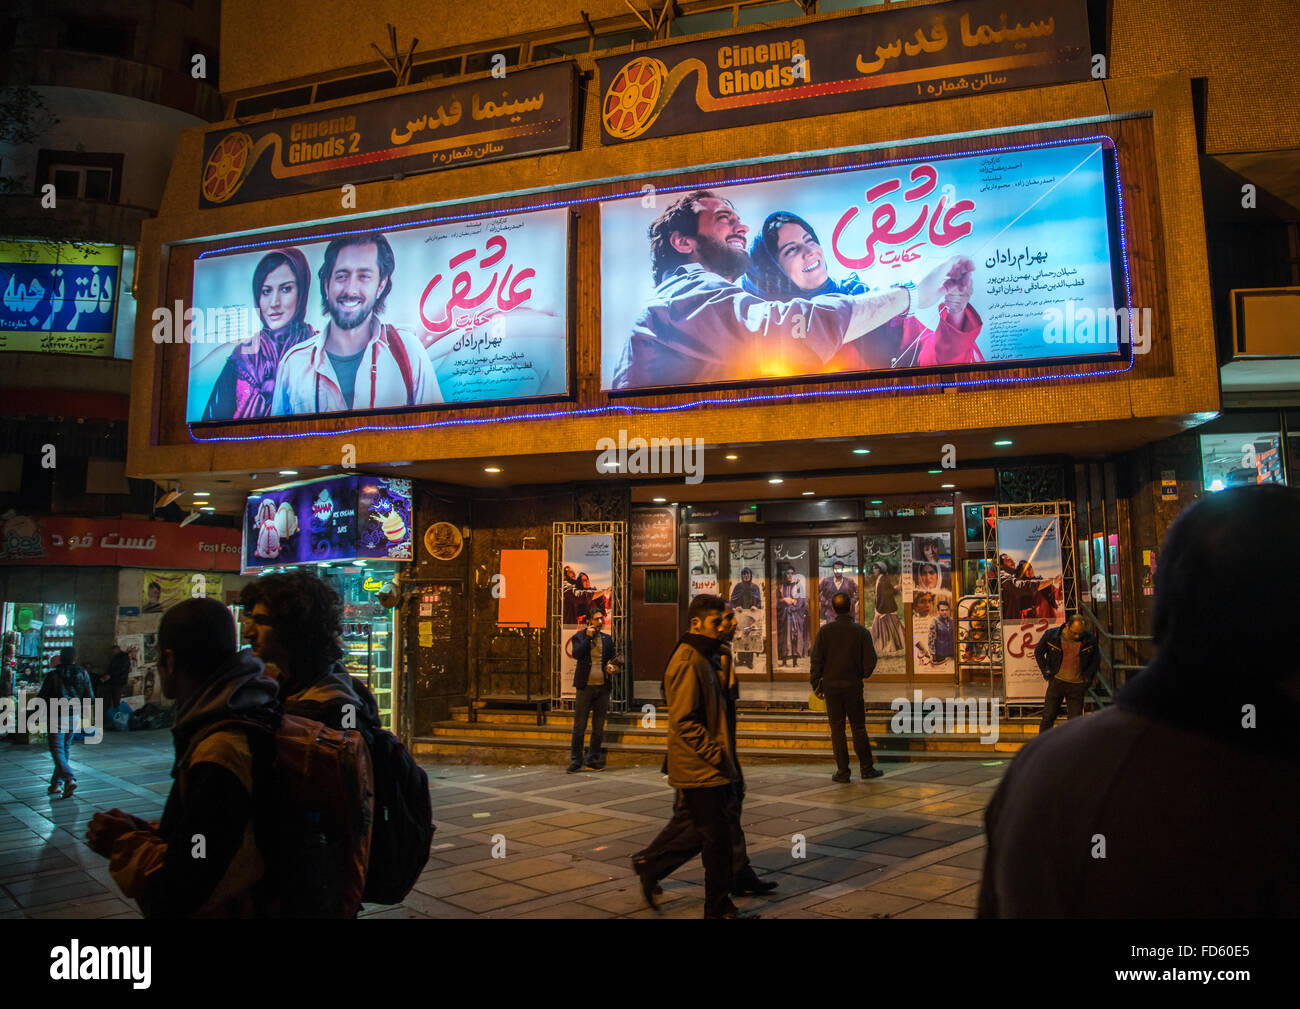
[{"x": 612, "y": 409}]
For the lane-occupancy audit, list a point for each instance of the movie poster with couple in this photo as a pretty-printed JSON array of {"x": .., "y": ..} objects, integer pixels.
[
  {"x": 934, "y": 636},
  {"x": 474, "y": 311},
  {"x": 928, "y": 263},
  {"x": 1031, "y": 584},
  {"x": 586, "y": 583}
]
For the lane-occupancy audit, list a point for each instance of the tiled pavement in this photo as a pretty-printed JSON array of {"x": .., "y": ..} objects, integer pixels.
[{"x": 907, "y": 845}]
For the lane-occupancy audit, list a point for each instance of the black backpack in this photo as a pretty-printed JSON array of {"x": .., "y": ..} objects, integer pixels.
[{"x": 403, "y": 824}]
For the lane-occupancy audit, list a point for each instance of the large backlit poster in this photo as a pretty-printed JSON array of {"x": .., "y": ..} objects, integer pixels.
[
  {"x": 1008, "y": 255},
  {"x": 586, "y": 583},
  {"x": 453, "y": 313},
  {"x": 1030, "y": 581}
]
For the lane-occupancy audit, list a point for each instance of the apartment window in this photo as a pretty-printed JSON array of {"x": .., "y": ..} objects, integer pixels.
[
  {"x": 259, "y": 104},
  {"x": 706, "y": 21},
  {"x": 80, "y": 175},
  {"x": 106, "y": 36},
  {"x": 617, "y": 40},
  {"x": 565, "y": 47},
  {"x": 476, "y": 63},
  {"x": 349, "y": 86},
  {"x": 762, "y": 13},
  {"x": 435, "y": 69}
]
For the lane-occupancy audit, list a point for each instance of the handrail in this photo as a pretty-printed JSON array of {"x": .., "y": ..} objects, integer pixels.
[{"x": 1107, "y": 659}]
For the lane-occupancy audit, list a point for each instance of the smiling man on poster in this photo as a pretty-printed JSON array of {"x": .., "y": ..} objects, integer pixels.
[
  {"x": 356, "y": 362},
  {"x": 701, "y": 326}
]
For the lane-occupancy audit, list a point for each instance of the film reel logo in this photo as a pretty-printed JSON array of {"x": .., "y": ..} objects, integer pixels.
[{"x": 227, "y": 167}]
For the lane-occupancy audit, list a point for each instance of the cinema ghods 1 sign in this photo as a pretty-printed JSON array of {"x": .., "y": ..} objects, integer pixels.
[{"x": 868, "y": 61}]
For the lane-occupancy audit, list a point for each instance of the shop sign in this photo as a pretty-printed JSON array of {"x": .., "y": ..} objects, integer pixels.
[
  {"x": 472, "y": 311},
  {"x": 443, "y": 541},
  {"x": 58, "y": 298},
  {"x": 334, "y": 519},
  {"x": 652, "y": 536},
  {"x": 1026, "y": 242},
  {"x": 1168, "y": 485},
  {"x": 529, "y": 112},
  {"x": 56, "y": 539},
  {"x": 841, "y": 65}
]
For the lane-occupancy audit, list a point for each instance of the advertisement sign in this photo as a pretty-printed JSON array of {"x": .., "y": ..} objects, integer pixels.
[
  {"x": 59, "y": 298},
  {"x": 652, "y": 536},
  {"x": 161, "y": 590},
  {"x": 837, "y": 571},
  {"x": 1008, "y": 258},
  {"x": 933, "y": 625},
  {"x": 337, "y": 518},
  {"x": 702, "y": 556},
  {"x": 444, "y": 314},
  {"x": 522, "y": 602},
  {"x": 790, "y": 604},
  {"x": 587, "y": 581},
  {"x": 882, "y": 564},
  {"x": 879, "y": 59},
  {"x": 748, "y": 562},
  {"x": 1030, "y": 582},
  {"x": 128, "y": 543},
  {"x": 421, "y": 131}
]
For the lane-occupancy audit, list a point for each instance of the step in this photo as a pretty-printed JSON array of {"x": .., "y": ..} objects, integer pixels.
[{"x": 475, "y": 750}]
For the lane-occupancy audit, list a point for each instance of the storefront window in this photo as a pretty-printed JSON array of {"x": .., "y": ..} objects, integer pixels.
[
  {"x": 367, "y": 630},
  {"x": 1240, "y": 460}
]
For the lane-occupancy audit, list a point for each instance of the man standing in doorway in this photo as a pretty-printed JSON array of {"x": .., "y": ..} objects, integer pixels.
[
  {"x": 701, "y": 765},
  {"x": 591, "y": 681},
  {"x": 842, "y": 657},
  {"x": 1068, "y": 659},
  {"x": 356, "y": 362}
]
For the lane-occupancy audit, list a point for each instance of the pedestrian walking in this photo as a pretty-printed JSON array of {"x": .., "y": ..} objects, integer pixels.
[
  {"x": 1068, "y": 658},
  {"x": 842, "y": 658},
  {"x": 591, "y": 681},
  {"x": 701, "y": 766},
  {"x": 64, "y": 690}
]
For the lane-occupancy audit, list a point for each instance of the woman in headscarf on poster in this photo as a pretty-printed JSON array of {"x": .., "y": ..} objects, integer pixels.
[
  {"x": 886, "y": 629},
  {"x": 787, "y": 262},
  {"x": 246, "y": 386}
]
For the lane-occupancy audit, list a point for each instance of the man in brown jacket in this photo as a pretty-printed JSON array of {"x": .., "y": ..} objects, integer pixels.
[{"x": 701, "y": 765}]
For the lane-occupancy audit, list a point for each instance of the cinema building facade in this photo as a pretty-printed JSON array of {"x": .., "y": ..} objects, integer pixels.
[{"x": 938, "y": 335}]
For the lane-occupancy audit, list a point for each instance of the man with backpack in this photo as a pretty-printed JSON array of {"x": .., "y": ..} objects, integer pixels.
[
  {"x": 269, "y": 815},
  {"x": 64, "y": 689},
  {"x": 294, "y": 622}
]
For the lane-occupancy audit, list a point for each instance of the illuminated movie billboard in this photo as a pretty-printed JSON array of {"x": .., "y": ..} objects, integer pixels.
[
  {"x": 984, "y": 259},
  {"x": 379, "y": 320}
]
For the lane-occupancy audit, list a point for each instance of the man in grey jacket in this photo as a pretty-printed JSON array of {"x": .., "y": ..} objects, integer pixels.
[{"x": 701, "y": 765}]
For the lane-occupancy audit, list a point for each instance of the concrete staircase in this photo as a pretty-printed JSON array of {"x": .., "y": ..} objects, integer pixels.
[{"x": 514, "y": 736}]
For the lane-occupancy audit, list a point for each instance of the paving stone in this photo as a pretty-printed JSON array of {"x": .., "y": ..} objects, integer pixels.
[
  {"x": 896, "y": 824},
  {"x": 945, "y": 831},
  {"x": 967, "y": 896},
  {"x": 556, "y": 837},
  {"x": 973, "y": 859},
  {"x": 936, "y": 910},
  {"x": 493, "y": 897},
  {"x": 920, "y": 884},
  {"x": 567, "y": 879},
  {"x": 906, "y": 847},
  {"x": 865, "y": 904},
  {"x": 460, "y": 881},
  {"x": 834, "y": 870},
  {"x": 519, "y": 868}
]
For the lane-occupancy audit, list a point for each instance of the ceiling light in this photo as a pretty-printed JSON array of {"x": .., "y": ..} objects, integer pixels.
[
  {"x": 947, "y": 486},
  {"x": 1002, "y": 442},
  {"x": 202, "y": 493},
  {"x": 809, "y": 493},
  {"x": 491, "y": 469},
  {"x": 862, "y": 451},
  {"x": 207, "y": 508},
  {"x": 776, "y": 479},
  {"x": 934, "y": 471},
  {"x": 733, "y": 458},
  {"x": 660, "y": 500},
  {"x": 288, "y": 472},
  {"x": 876, "y": 500}
]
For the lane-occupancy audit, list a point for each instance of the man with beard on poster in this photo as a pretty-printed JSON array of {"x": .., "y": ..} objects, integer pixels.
[
  {"x": 701, "y": 326},
  {"x": 355, "y": 362},
  {"x": 836, "y": 581}
]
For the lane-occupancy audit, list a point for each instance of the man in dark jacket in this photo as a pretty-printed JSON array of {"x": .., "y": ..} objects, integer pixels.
[
  {"x": 116, "y": 677},
  {"x": 64, "y": 690},
  {"x": 1181, "y": 799},
  {"x": 701, "y": 765},
  {"x": 842, "y": 657},
  {"x": 213, "y": 796},
  {"x": 591, "y": 680},
  {"x": 1068, "y": 658},
  {"x": 294, "y": 623}
]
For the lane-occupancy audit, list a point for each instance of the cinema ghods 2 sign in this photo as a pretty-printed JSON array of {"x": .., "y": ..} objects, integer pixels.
[
  {"x": 530, "y": 112},
  {"x": 867, "y": 61}
]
